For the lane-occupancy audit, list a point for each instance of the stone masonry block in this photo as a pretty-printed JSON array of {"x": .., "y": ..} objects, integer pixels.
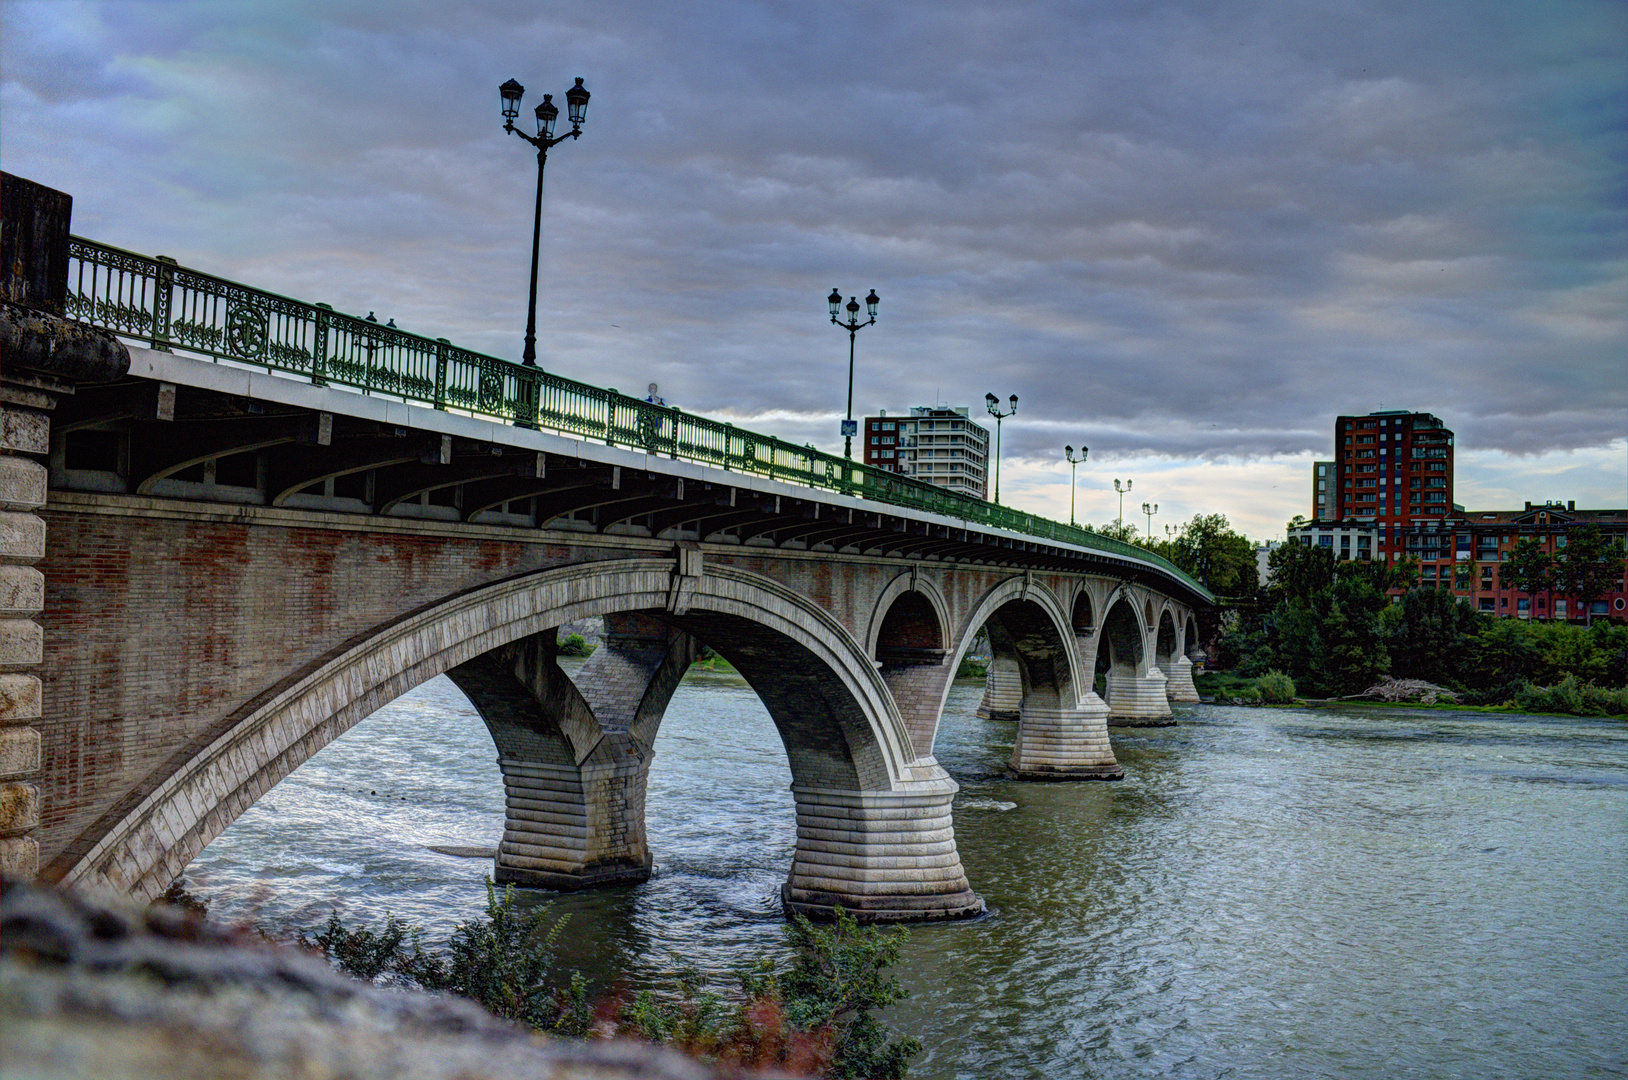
[
  {"x": 22, "y": 483},
  {"x": 19, "y": 857},
  {"x": 25, "y": 431},
  {"x": 22, "y": 643},
  {"x": 22, "y": 591},
  {"x": 19, "y": 698},
  {"x": 22, "y": 536},
  {"x": 19, "y": 752},
  {"x": 19, "y": 808}
]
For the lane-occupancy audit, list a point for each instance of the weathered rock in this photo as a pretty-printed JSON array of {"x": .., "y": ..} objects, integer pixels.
[
  {"x": 1425, "y": 693},
  {"x": 92, "y": 990},
  {"x": 40, "y": 341}
]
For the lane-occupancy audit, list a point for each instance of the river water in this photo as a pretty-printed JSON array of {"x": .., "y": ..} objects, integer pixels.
[{"x": 1268, "y": 893}]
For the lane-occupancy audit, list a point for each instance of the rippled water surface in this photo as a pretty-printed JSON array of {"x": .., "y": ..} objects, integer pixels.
[{"x": 1268, "y": 893}]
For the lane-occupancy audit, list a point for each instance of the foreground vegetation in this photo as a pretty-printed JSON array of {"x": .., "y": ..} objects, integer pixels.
[{"x": 814, "y": 1016}]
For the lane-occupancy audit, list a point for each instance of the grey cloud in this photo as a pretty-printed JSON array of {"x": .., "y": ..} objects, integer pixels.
[{"x": 1196, "y": 231}]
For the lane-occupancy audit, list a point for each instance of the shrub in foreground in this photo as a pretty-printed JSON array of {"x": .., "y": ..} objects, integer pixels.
[{"x": 817, "y": 1017}]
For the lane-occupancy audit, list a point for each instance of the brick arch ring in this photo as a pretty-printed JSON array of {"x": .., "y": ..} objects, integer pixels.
[
  {"x": 151, "y": 842},
  {"x": 909, "y": 581}
]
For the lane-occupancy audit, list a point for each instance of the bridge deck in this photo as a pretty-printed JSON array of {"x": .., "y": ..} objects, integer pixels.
[{"x": 182, "y": 427}]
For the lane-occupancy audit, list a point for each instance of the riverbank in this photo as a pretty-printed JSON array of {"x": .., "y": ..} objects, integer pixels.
[{"x": 1229, "y": 688}]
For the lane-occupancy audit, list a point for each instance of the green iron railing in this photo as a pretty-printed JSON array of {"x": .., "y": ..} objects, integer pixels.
[{"x": 171, "y": 307}]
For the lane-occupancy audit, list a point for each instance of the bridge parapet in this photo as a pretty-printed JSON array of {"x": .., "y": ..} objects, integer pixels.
[{"x": 170, "y": 307}]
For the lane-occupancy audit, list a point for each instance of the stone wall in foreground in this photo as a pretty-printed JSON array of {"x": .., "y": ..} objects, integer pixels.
[{"x": 120, "y": 993}]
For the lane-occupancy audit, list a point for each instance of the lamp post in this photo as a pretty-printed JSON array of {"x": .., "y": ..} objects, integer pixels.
[
  {"x": 1073, "y": 463},
  {"x": 1122, "y": 491},
  {"x": 853, "y": 326},
  {"x": 576, "y": 100},
  {"x": 994, "y": 405},
  {"x": 1150, "y": 509}
]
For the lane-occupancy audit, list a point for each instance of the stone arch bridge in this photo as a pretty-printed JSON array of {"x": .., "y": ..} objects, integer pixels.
[{"x": 225, "y": 569}]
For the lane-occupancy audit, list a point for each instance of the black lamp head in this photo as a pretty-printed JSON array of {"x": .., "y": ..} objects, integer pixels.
[{"x": 576, "y": 104}]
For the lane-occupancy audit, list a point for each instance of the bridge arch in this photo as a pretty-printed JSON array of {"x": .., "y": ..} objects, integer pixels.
[
  {"x": 1136, "y": 684},
  {"x": 1083, "y": 614},
  {"x": 1125, "y": 637},
  {"x": 910, "y": 613},
  {"x": 846, "y": 742},
  {"x": 1166, "y": 646},
  {"x": 1029, "y": 624}
]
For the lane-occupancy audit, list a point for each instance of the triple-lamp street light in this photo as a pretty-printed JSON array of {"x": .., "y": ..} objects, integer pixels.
[
  {"x": 994, "y": 405},
  {"x": 576, "y": 100},
  {"x": 1122, "y": 491},
  {"x": 1073, "y": 464},
  {"x": 853, "y": 326},
  {"x": 1150, "y": 509}
]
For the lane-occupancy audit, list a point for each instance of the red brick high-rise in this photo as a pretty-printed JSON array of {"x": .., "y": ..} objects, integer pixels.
[{"x": 1394, "y": 469}]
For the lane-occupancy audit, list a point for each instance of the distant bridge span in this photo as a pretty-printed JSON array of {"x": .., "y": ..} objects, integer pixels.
[{"x": 239, "y": 564}]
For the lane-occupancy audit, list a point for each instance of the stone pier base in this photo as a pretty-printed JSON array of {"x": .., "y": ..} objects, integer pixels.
[
  {"x": 1179, "y": 686},
  {"x": 1003, "y": 690},
  {"x": 570, "y": 827},
  {"x": 885, "y": 856},
  {"x": 1138, "y": 700},
  {"x": 1064, "y": 744}
]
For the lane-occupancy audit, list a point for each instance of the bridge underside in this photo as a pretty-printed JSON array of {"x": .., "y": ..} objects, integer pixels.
[{"x": 234, "y": 579}]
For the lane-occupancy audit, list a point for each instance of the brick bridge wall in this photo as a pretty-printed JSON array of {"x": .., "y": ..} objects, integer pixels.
[{"x": 167, "y": 623}]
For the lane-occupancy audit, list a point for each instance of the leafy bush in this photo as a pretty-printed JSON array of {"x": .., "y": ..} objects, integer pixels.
[
  {"x": 835, "y": 982},
  {"x": 1573, "y": 696},
  {"x": 575, "y": 645},
  {"x": 1605, "y": 701},
  {"x": 1276, "y": 688},
  {"x": 504, "y": 961},
  {"x": 363, "y": 954},
  {"x": 817, "y": 1018},
  {"x": 971, "y": 669}
]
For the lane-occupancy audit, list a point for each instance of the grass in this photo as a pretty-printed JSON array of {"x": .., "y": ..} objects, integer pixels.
[{"x": 1228, "y": 683}]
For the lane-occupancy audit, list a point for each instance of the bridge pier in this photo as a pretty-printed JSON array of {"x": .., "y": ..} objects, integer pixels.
[
  {"x": 885, "y": 856},
  {"x": 576, "y": 755},
  {"x": 1003, "y": 690},
  {"x": 574, "y": 827},
  {"x": 1057, "y": 743},
  {"x": 1138, "y": 699},
  {"x": 1179, "y": 673}
]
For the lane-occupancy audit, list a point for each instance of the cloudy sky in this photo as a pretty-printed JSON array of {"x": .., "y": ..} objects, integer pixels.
[{"x": 1185, "y": 234}]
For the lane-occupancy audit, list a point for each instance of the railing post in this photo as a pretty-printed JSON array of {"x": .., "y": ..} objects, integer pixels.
[
  {"x": 319, "y": 347},
  {"x": 164, "y": 283},
  {"x": 441, "y": 347},
  {"x": 528, "y": 377}
]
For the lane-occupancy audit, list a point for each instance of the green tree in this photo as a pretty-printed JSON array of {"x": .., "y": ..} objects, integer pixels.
[
  {"x": 1529, "y": 568},
  {"x": 1428, "y": 634},
  {"x": 1299, "y": 571},
  {"x": 1210, "y": 550},
  {"x": 1115, "y": 530},
  {"x": 1588, "y": 566}
]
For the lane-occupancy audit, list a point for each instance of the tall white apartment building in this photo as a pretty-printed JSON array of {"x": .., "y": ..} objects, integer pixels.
[{"x": 936, "y": 443}]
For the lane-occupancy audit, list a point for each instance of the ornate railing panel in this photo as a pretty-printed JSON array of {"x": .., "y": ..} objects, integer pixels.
[{"x": 170, "y": 307}]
